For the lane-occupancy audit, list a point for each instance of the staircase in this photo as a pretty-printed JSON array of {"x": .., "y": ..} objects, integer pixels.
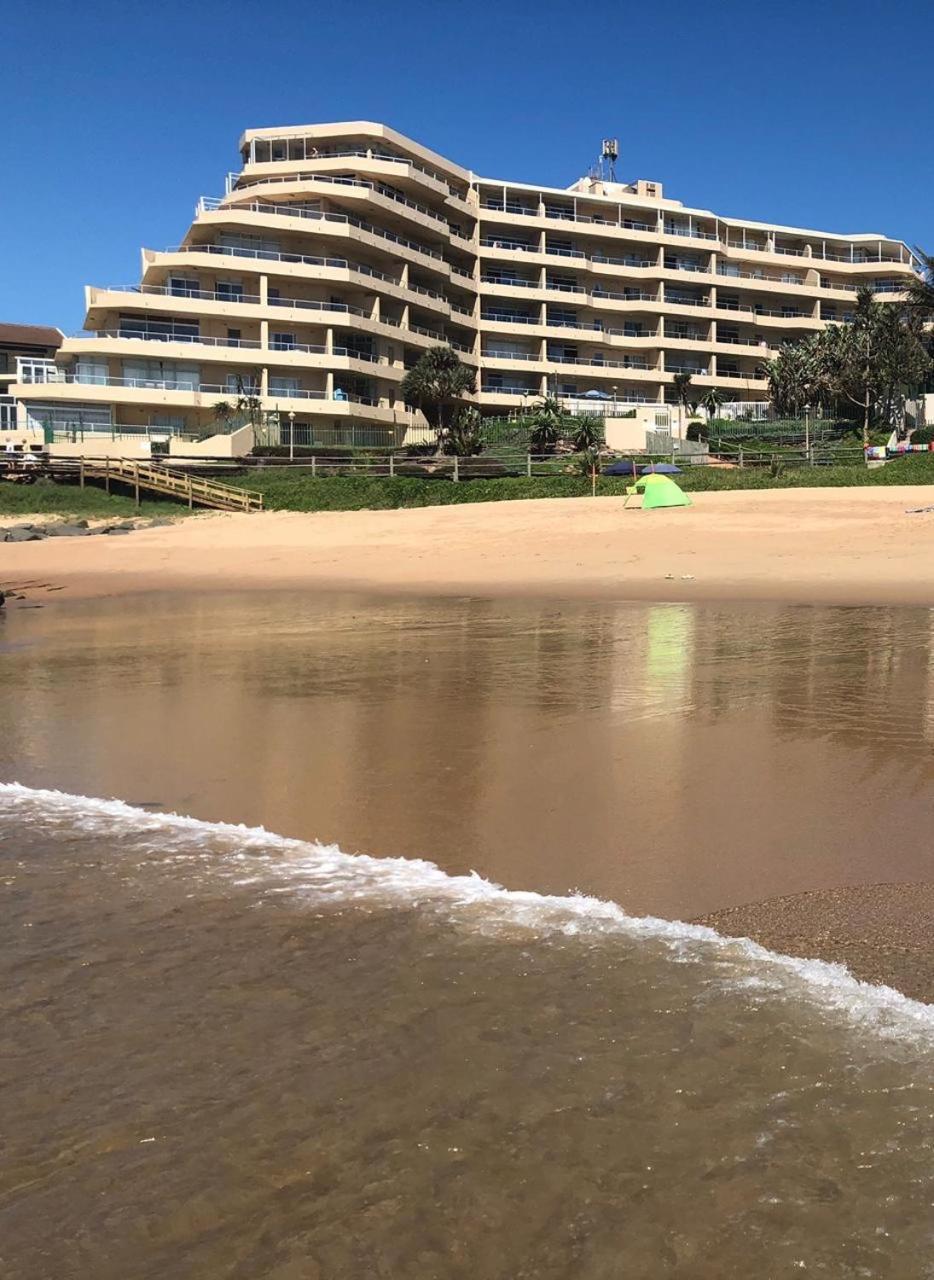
[{"x": 166, "y": 482}]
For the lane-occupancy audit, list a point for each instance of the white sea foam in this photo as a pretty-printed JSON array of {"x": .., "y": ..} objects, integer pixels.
[{"x": 253, "y": 856}]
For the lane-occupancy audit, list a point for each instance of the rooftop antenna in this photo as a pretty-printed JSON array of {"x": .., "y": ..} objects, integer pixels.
[{"x": 609, "y": 154}]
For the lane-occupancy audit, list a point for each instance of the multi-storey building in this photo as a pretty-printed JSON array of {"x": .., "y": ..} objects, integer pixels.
[
  {"x": 340, "y": 253},
  {"x": 21, "y": 342}
]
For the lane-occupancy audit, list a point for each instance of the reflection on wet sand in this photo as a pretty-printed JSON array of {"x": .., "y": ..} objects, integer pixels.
[{"x": 676, "y": 758}]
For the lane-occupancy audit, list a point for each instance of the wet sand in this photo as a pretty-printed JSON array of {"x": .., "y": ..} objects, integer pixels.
[
  {"x": 829, "y": 546},
  {"x": 684, "y": 761},
  {"x": 881, "y": 932}
]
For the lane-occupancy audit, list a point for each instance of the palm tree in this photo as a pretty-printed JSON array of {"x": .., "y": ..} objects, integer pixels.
[
  {"x": 547, "y": 425},
  {"x": 683, "y": 390},
  {"x": 435, "y": 385},
  {"x": 712, "y": 399}
]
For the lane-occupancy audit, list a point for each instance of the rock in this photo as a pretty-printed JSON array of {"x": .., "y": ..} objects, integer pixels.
[
  {"x": 126, "y": 526},
  {"x": 119, "y": 531},
  {"x": 24, "y": 535},
  {"x": 66, "y": 531}
]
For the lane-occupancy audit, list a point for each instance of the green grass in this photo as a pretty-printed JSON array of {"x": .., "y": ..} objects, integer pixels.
[
  {"x": 288, "y": 490},
  {"x": 48, "y": 498}
]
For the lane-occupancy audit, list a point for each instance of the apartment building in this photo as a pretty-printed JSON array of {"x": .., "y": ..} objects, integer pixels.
[
  {"x": 340, "y": 253},
  {"x": 22, "y": 342}
]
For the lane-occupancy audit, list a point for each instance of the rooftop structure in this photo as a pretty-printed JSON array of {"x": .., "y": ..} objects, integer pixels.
[{"x": 339, "y": 253}]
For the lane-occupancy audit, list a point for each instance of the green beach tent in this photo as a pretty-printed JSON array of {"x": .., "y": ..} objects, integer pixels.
[{"x": 659, "y": 491}]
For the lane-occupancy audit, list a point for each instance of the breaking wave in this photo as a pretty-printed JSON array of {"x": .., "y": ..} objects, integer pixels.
[{"x": 325, "y": 875}]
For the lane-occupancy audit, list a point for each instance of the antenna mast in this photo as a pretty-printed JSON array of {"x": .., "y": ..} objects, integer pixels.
[{"x": 609, "y": 154}]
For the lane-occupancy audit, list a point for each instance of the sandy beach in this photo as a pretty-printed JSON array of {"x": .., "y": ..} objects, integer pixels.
[{"x": 832, "y": 546}]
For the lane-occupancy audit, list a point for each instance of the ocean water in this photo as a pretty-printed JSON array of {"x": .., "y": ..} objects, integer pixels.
[
  {"x": 232, "y": 1054},
  {"x": 345, "y": 1051}
]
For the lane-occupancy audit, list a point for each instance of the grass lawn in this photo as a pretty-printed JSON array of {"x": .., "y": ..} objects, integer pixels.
[
  {"x": 45, "y": 497},
  {"x": 287, "y": 490}
]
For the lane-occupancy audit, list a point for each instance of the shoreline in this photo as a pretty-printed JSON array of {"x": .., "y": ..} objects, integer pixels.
[
  {"x": 802, "y": 546},
  {"x": 880, "y": 932}
]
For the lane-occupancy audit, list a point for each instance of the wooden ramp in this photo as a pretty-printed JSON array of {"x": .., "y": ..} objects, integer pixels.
[{"x": 168, "y": 483}]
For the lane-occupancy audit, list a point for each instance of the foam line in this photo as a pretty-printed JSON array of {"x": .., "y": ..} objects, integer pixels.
[{"x": 329, "y": 875}]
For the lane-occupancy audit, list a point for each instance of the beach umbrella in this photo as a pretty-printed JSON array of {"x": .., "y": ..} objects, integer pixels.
[
  {"x": 620, "y": 468},
  {"x": 661, "y": 469},
  {"x": 660, "y": 491}
]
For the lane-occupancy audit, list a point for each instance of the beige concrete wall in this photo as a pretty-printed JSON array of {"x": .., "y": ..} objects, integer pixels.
[
  {"x": 234, "y": 444},
  {"x": 103, "y": 447}
]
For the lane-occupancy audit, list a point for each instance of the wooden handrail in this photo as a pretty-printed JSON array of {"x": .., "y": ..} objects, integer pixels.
[{"x": 172, "y": 483}]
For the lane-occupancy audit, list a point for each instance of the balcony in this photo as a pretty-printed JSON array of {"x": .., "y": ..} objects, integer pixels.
[{"x": 209, "y": 205}]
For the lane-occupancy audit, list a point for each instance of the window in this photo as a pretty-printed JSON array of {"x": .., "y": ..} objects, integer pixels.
[
  {"x": 91, "y": 371},
  {"x": 233, "y": 337},
  {"x": 230, "y": 290},
  {"x": 183, "y": 287},
  {"x": 283, "y": 342},
  {"x": 242, "y": 384},
  {"x": 159, "y": 329},
  {"x": 282, "y": 386},
  {"x": 62, "y": 417},
  {"x": 162, "y": 375}
]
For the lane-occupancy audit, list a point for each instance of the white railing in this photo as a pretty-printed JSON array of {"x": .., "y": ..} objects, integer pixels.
[
  {"x": 30, "y": 370},
  {"x": 208, "y": 204}
]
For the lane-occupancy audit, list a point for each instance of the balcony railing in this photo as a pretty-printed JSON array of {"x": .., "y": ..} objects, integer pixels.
[
  {"x": 208, "y": 204},
  {"x": 511, "y": 281},
  {"x": 193, "y": 339},
  {"x": 691, "y": 233},
  {"x": 506, "y": 317}
]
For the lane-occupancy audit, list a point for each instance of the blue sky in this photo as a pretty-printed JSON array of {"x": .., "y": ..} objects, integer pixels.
[{"x": 117, "y": 116}]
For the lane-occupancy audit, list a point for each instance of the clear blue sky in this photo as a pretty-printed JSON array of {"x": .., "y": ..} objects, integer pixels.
[{"x": 117, "y": 116}]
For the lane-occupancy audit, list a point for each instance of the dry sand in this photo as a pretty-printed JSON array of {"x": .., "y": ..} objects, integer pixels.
[{"x": 843, "y": 546}]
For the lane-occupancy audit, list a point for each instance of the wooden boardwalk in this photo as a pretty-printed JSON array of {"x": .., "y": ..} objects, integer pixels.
[{"x": 164, "y": 481}]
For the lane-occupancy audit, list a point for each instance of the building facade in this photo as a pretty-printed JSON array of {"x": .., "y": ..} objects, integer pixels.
[
  {"x": 21, "y": 342},
  {"x": 340, "y": 253}
]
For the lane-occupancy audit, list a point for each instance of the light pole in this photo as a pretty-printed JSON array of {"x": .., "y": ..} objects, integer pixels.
[
  {"x": 615, "y": 410},
  {"x": 807, "y": 430},
  {"x": 291, "y": 435}
]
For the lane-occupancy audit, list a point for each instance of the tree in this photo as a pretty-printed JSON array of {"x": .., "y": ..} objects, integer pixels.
[
  {"x": 711, "y": 400},
  {"x": 921, "y": 289},
  {"x": 463, "y": 435},
  {"x": 586, "y": 433},
  {"x": 871, "y": 364},
  {"x": 436, "y": 385},
  {"x": 794, "y": 377},
  {"x": 877, "y": 361},
  {"x": 683, "y": 389},
  {"x": 547, "y": 425}
]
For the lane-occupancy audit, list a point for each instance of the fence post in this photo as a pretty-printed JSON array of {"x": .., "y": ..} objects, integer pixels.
[
  {"x": 191, "y": 495},
  {"x": 456, "y": 476},
  {"x": 741, "y": 455},
  {"x": 107, "y": 475},
  {"x": 136, "y": 481},
  {"x": 81, "y": 473},
  {"x": 811, "y": 455},
  {"x": 314, "y": 466},
  {"x": 528, "y": 466},
  {"x": 392, "y": 464}
]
